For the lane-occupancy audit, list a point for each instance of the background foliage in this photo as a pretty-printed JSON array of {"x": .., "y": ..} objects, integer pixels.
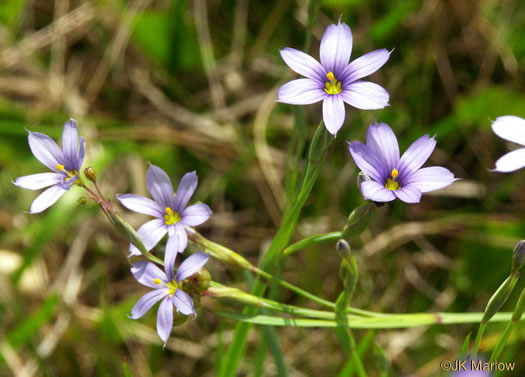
[{"x": 191, "y": 85}]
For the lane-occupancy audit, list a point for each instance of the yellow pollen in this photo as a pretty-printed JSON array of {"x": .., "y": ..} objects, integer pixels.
[
  {"x": 171, "y": 217},
  {"x": 60, "y": 167},
  {"x": 156, "y": 281},
  {"x": 332, "y": 86}
]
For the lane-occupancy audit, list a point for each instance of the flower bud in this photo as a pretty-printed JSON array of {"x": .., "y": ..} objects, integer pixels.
[
  {"x": 359, "y": 220},
  {"x": 126, "y": 230},
  {"x": 198, "y": 282},
  {"x": 90, "y": 174},
  {"x": 518, "y": 258},
  {"x": 82, "y": 201},
  {"x": 343, "y": 248},
  {"x": 499, "y": 298}
]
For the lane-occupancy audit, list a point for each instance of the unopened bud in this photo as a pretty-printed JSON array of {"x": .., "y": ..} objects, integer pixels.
[
  {"x": 499, "y": 298},
  {"x": 359, "y": 220},
  {"x": 126, "y": 230},
  {"x": 198, "y": 282},
  {"x": 518, "y": 258},
  {"x": 90, "y": 174},
  {"x": 82, "y": 201},
  {"x": 343, "y": 248}
]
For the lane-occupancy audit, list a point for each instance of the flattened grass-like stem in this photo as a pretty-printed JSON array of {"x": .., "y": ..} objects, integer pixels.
[{"x": 516, "y": 317}]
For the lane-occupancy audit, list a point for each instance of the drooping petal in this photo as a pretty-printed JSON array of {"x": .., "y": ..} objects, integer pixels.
[
  {"x": 70, "y": 145},
  {"x": 301, "y": 92},
  {"x": 511, "y": 161},
  {"x": 47, "y": 199},
  {"x": 146, "y": 302},
  {"x": 336, "y": 47},
  {"x": 46, "y": 150},
  {"x": 183, "y": 302},
  {"x": 185, "y": 190},
  {"x": 195, "y": 215},
  {"x": 150, "y": 233},
  {"x": 81, "y": 153},
  {"x": 511, "y": 128},
  {"x": 381, "y": 140},
  {"x": 430, "y": 179},
  {"x": 415, "y": 156},
  {"x": 365, "y": 65},
  {"x": 303, "y": 64},
  {"x": 141, "y": 204},
  {"x": 191, "y": 265},
  {"x": 374, "y": 191},
  {"x": 146, "y": 273},
  {"x": 38, "y": 181},
  {"x": 367, "y": 161},
  {"x": 165, "y": 319},
  {"x": 365, "y": 95},
  {"x": 159, "y": 186},
  {"x": 333, "y": 113},
  {"x": 408, "y": 194}
]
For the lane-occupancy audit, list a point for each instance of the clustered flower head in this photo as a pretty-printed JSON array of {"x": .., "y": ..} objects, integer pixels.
[
  {"x": 334, "y": 81},
  {"x": 166, "y": 287},
  {"x": 511, "y": 128},
  {"x": 65, "y": 164},
  {"x": 393, "y": 176},
  {"x": 169, "y": 210}
]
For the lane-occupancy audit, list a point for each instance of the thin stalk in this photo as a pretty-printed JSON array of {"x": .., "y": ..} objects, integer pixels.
[
  {"x": 355, "y": 357},
  {"x": 316, "y": 238},
  {"x": 482, "y": 327}
]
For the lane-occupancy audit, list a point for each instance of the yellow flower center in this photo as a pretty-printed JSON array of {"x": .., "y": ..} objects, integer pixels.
[
  {"x": 171, "y": 217},
  {"x": 172, "y": 287},
  {"x": 391, "y": 183},
  {"x": 332, "y": 86}
]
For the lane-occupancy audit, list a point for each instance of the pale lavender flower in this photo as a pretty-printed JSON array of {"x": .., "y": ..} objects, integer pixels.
[
  {"x": 64, "y": 163},
  {"x": 393, "y": 176},
  {"x": 169, "y": 210},
  {"x": 166, "y": 288},
  {"x": 511, "y": 128},
  {"x": 334, "y": 81}
]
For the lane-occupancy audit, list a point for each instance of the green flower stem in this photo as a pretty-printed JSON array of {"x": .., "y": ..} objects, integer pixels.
[
  {"x": 355, "y": 357},
  {"x": 393, "y": 321},
  {"x": 482, "y": 327},
  {"x": 316, "y": 156},
  {"x": 293, "y": 288},
  {"x": 516, "y": 317},
  {"x": 309, "y": 241}
]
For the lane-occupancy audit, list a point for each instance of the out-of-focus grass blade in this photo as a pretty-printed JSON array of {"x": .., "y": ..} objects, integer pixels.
[
  {"x": 464, "y": 348},
  {"x": 384, "y": 27},
  {"x": 127, "y": 372},
  {"x": 27, "y": 328},
  {"x": 10, "y": 11},
  {"x": 349, "y": 367}
]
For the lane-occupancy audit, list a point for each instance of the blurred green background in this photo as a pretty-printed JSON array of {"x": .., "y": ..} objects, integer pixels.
[{"x": 191, "y": 85}]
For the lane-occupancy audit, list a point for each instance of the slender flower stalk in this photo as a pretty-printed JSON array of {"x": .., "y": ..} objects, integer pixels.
[
  {"x": 170, "y": 212},
  {"x": 511, "y": 128},
  {"x": 65, "y": 164},
  {"x": 334, "y": 81},
  {"x": 166, "y": 287},
  {"x": 393, "y": 176}
]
